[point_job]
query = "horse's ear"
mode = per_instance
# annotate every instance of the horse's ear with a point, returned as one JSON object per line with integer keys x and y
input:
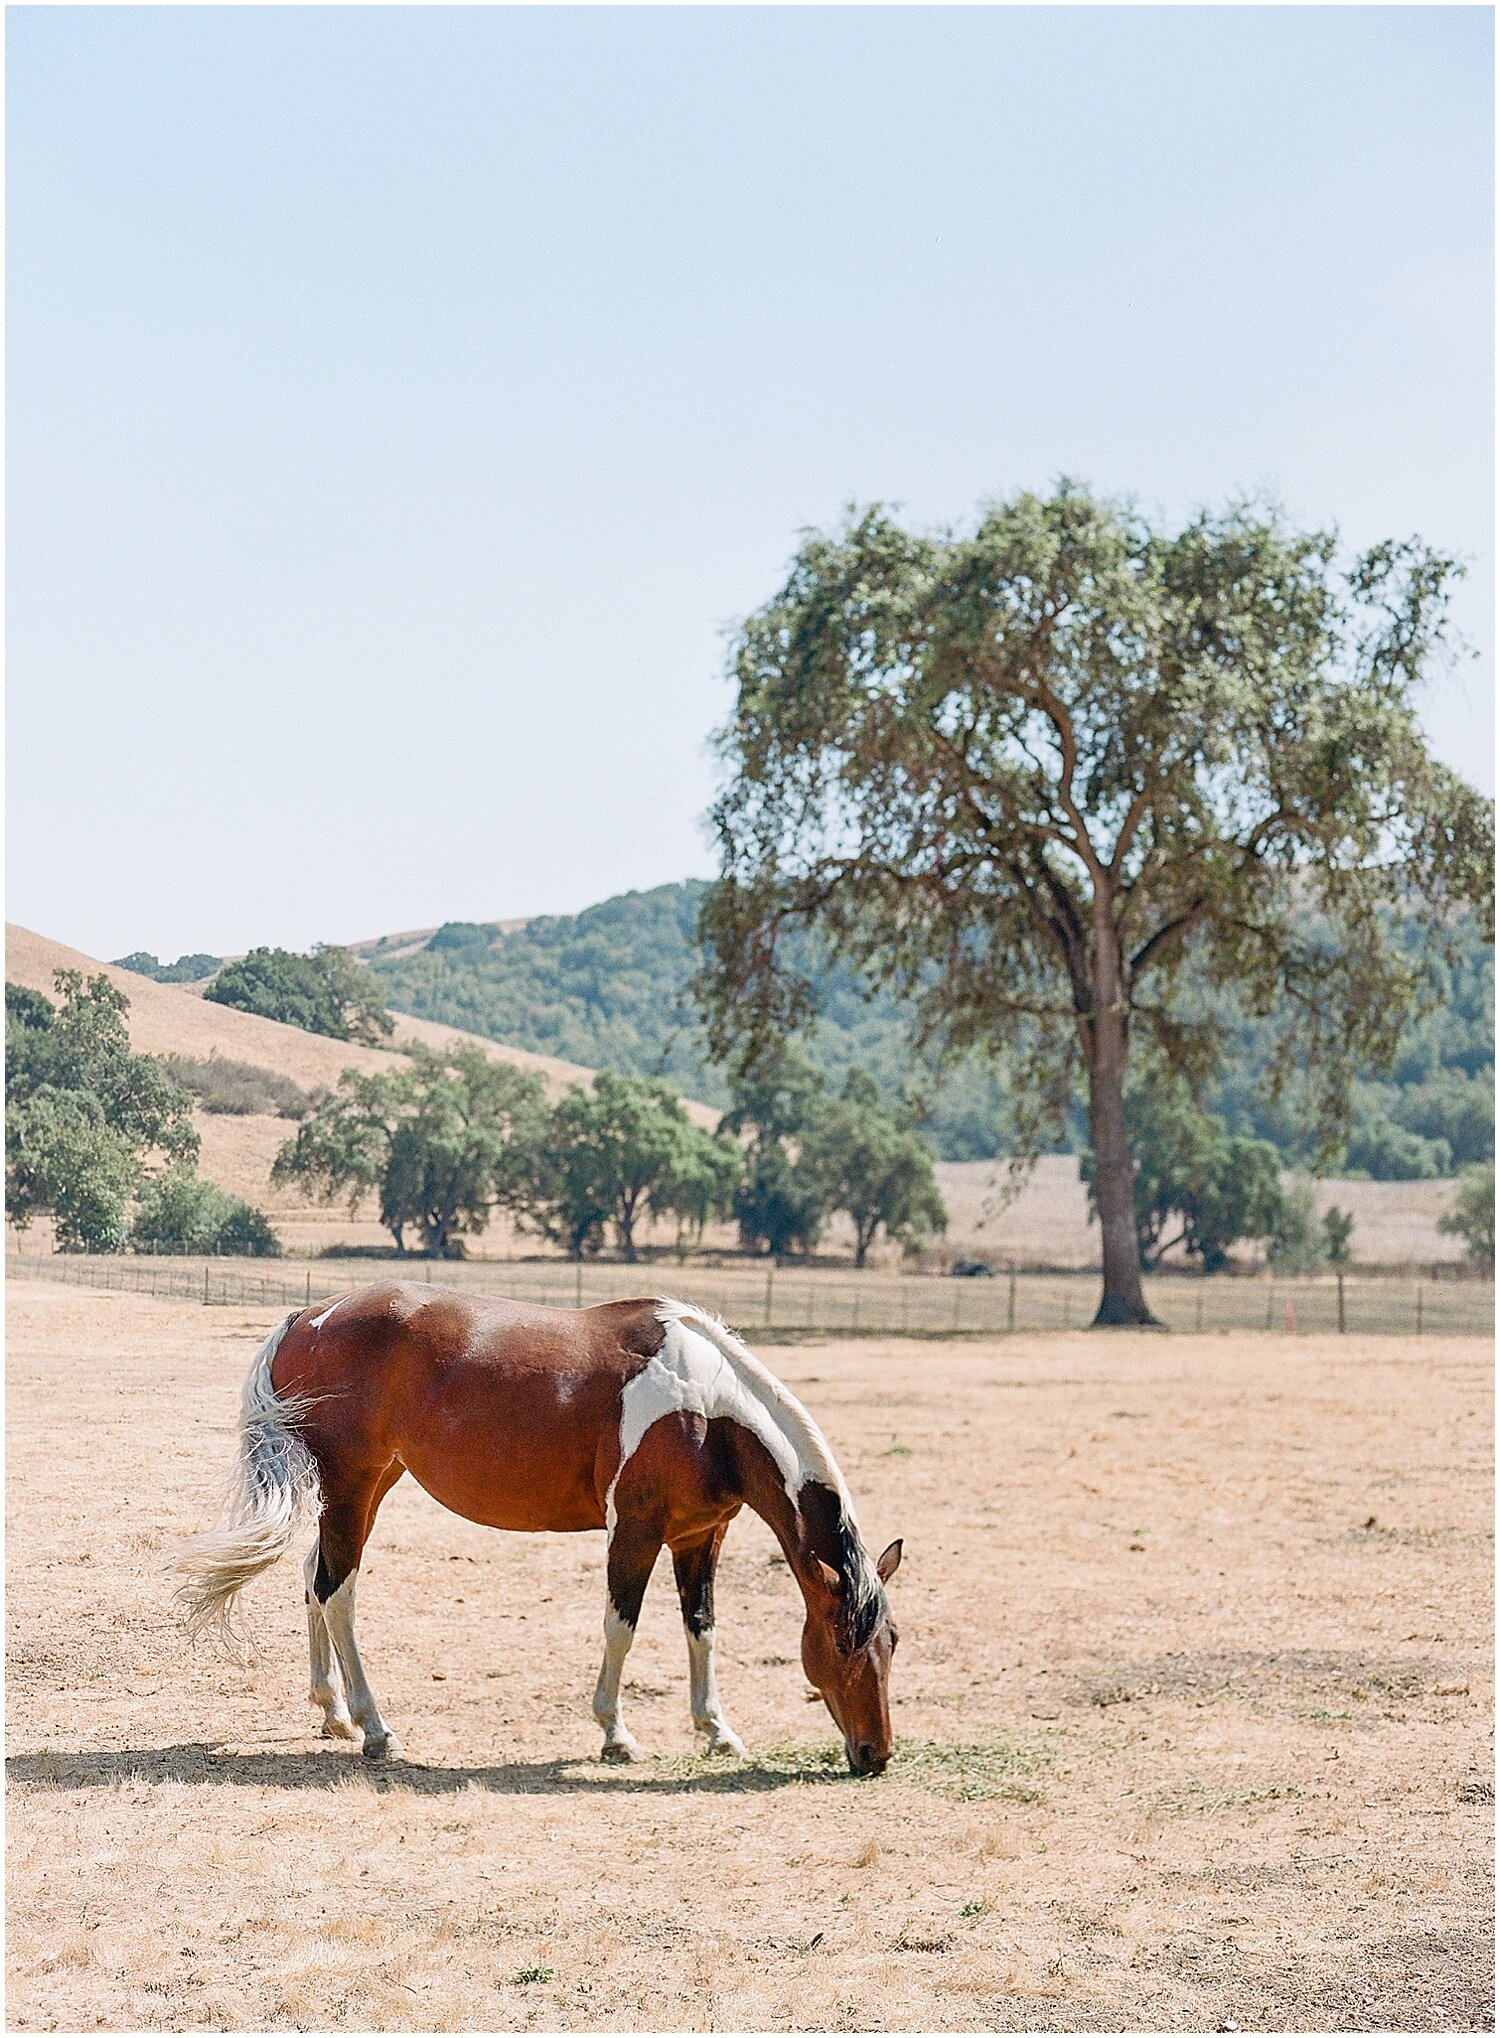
{"x": 830, "y": 1577}
{"x": 890, "y": 1562}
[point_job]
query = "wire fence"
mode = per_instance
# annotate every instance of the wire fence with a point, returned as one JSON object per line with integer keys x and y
{"x": 794, "y": 1301}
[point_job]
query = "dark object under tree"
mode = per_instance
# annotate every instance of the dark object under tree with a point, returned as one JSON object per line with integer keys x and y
{"x": 1029, "y": 775}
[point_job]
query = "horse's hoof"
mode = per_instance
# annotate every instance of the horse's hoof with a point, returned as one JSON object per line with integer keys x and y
{"x": 339, "y": 1730}
{"x": 619, "y": 1751}
{"x": 386, "y": 1749}
{"x": 725, "y": 1742}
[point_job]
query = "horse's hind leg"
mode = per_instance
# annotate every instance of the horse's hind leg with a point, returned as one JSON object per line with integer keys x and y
{"x": 347, "y": 1520}
{"x": 326, "y": 1683}
{"x": 633, "y": 1549}
{"x": 694, "y": 1567}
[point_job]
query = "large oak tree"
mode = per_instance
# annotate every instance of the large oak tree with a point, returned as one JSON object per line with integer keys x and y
{"x": 1052, "y": 777}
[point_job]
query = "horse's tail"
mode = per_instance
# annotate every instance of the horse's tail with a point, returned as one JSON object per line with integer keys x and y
{"x": 275, "y": 1482}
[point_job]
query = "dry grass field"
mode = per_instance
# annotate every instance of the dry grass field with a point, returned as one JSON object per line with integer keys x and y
{"x": 1193, "y": 1698}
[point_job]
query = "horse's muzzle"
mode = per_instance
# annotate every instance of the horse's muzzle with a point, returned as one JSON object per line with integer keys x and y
{"x": 864, "y": 1760}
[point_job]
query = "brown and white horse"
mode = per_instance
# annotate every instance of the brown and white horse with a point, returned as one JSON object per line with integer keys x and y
{"x": 648, "y": 1419}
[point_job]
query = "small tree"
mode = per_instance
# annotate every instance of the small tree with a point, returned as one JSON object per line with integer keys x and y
{"x": 706, "y": 1179}
{"x": 1338, "y": 1231}
{"x": 1042, "y": 776}
{"x": 782, "y": 1202}
{"x": 441, "y": 1142}
{"x": 622, "y": 1150}
{"x": 179, "y": 1212}
{"x": 1472, "y": 1217}
{"x": 325, "y": 992}
{"x": 1195, "y": 1184}
{"x": 874, "y": 1165}
{"x": 84, "y": 1115}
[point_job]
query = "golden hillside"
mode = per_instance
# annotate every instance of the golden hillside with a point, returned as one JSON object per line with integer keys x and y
{"x": 238, "y": 1151}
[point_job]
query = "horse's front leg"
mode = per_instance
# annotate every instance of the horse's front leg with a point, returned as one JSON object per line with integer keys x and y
{"x": 694, "y": 1566}
{"x": 633, "y": 1549}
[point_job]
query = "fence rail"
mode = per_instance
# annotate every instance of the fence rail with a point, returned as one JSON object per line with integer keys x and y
{"x": 793, "y": 1300}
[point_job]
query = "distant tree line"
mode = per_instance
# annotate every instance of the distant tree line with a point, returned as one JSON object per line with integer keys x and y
{"x": 446, "y": 1140}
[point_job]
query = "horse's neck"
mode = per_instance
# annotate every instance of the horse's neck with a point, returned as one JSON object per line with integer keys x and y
{"x": 796, "y": 1529}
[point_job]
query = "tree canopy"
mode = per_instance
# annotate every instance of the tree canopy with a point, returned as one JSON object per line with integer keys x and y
{"x": 83, "y": 1115}
{"x": 442, "y": 1141}
{"x": 623, "y": 1150}
{"x": 326, "y": 992}
{"x": 1036, "y": 775}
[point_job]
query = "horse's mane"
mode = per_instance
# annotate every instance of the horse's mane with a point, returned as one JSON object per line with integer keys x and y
{"x": 865, "y": 1594}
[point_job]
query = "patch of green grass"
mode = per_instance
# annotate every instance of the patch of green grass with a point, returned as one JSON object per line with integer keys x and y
{"x": 965, "y": 1771}
{"x": 974, "y": 1908}
{"x": 526, "y": 1975}
{"x": 896, "y": 1451}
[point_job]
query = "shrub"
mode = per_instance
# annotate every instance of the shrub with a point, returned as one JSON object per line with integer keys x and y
{"x": 1472, "y": 1217}
{"x": 1294, "y": 1244}
{"x": 239, "y": 1088}
{"x": 179, "y": 1212}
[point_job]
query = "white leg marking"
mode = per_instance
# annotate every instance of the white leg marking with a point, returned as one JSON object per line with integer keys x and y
{"x": 326, "y": 1687}
{"x": 338, "y": 1612}
{"x": 619, "y": 1746}
{"x": 708, "y": 1714}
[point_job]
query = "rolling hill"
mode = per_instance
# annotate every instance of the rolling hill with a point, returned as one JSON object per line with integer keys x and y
{"x": 237, "y": 1152}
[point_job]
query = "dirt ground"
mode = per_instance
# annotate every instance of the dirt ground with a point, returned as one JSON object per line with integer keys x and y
{"x": 1193, "y": 1700}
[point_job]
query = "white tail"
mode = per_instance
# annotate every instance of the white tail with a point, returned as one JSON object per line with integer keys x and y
{"x": 275, "y": 1481}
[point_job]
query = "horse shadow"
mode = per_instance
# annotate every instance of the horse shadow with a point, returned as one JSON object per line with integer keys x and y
{"x": 202, "y": 1762}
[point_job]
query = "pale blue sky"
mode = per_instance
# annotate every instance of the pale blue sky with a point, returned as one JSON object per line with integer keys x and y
{"x": 402, "y": 401}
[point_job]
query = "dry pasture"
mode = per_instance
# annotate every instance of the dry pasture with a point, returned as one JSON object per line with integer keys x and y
{"x": 1193, "y": 1696}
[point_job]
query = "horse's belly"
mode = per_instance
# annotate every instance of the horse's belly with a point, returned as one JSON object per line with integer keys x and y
{"x": 507, "y": 1474}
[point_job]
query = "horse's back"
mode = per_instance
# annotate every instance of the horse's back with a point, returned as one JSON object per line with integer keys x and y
{"x": 507, "y": 1412}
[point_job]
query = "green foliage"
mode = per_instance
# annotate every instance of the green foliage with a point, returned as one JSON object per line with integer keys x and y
{"x": 178, "y": 1212}
{"x": 1294, "y": 1246}
{"x": 1196, "y": 1185}
{"x": 442, "y": 1141}
{"x": 1472, "y": 1217}
{"x": 64, "y": 1158}
{"x": 83, "y": 1114}
{"x": 874, "y": 1165}
{"x": 619, "y": 1151}
{"x": 782, "y": 1203}
{"x": 1338, "y": 1231}
{"x": 188, "y": 969}
{"x": 326, "y": 992}
{"x": 462, "y": 937}
{"x": 238, "y": 1088}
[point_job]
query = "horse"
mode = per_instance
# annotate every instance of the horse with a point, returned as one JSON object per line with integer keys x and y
{"x": 649, "y": 1419}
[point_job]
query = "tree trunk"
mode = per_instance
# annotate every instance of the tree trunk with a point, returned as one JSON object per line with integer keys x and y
{"x": 1123, "y": 1300}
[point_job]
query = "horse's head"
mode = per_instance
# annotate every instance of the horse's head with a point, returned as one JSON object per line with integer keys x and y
{"x": 846, "y": 1652}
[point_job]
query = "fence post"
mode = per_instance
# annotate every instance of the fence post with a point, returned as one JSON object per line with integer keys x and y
{"x": 770, "y": 1272}
{"x": 1198, "y": 1312}
{"x": 1419, "y": 1309}
{"x": 307, "y": 1298}
{"x": 1341, "y": 1301}
{"x": 205, "y": 1281}
{"x": 1010, "y": 1304}
{"x": 578, "y": 1282}
{"x": 1270, "y": 1305}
